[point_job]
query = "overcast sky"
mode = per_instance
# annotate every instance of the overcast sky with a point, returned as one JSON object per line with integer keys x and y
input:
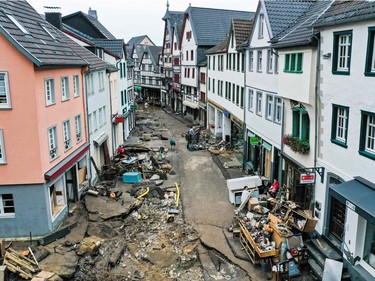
{"x": 129, "y": 18}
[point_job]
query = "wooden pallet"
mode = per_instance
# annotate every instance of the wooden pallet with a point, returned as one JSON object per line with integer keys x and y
{"x": 20, "y": 264}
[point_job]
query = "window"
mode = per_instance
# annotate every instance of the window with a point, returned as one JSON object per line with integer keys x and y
{"x": 7, "y": 208}
{"x": 259, "y": 61}
{"x": 238, "y": 61}
{"x": 226, "y": 90}
{"x": 367, "y": 136}
{"x": 192, "y": 55}
{"x": 293, "y": 63}
{"x": 213, "y": 86}
{"x": 213, "y": 62}
{"x": 209, "y": 83}
{"x": 48, "y": 32}
{"x": 243, "y": 62}
{"x": 340, "y": 119}
{"x": 104, "y": 115}
{"x": 234, "y": 61}
{"x": 369, "y": 246}
{"x": 193, "y": 73}
{"x": 15, "y": 21}
{"x": 100, "y": 117}
{"x": 259, "y": 103}
{"x": 90, "y": 124}
{"x": 242, "y": 97}
{"x": 341, "y": 52}
{"x": 78, "y": 124}
{"x": 52, "y": 142}
{"x": 57, "y": 197}
{"x": 203, "y": 78}
{"x": 229, "y": 91}
{"x": 370, "y": 57}
{"x": 64, "y": 88}
{"x": 95, "y": 121}
{"x": 269, "y": 61}
{"x": 229, "y": 61}
{"x": 188, "y": 35}
{"x": 2, "y": 148}
{"x": 276, "y": 63}
{"x": 251, "y": 61}
{"x": 101, "y": 81}
{"x": 76, "y": 88}
{"x": 233, "y": 92}
{"x": 251, "y": 101}
{"x": 4, "y": 90}
{"x": 237, "y": 95}
{"x": 269, "y": 107}
{"x": 67, "y": 135}
{"x": 260, "y": 26}
{"x": 90, "y": 84}
{"x": 278, "y": 110}
{"x": 301, "y": 123}
{"x": 187, "y": 55}
{"x": 49, "y": 87}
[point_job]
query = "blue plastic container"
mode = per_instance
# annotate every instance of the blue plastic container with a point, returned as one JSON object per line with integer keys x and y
{"x": 131, "y": 177}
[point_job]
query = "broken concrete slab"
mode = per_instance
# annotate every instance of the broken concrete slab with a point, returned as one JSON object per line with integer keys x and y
{"x": 162, "y": 258}
{"x": 102, "y": 230}
{"x": 63, "y": 265}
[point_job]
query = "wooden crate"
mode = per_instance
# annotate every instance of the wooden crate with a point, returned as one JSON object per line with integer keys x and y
{"x": 277, "y": 235}
{"x": 262, "y": 254}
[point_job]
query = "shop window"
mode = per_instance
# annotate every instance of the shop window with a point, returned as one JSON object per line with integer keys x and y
{"x": 57, "y": 197}
{"x": 369, "y": 249}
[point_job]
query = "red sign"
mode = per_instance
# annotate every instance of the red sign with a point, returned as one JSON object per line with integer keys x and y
{"x": 307, "y": 178}
{"x": 119, "y": 119}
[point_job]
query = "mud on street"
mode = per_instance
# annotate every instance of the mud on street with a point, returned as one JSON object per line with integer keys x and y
{"x": 168, "y": 225}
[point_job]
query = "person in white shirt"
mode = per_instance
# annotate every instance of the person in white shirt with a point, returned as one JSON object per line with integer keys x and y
{"x": 245, "y": 193}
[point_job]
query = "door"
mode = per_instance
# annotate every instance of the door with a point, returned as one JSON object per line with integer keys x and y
{"x": 337, "y": 219}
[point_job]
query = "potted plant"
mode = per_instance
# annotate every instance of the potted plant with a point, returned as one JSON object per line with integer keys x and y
{"x": 296, "y": 144}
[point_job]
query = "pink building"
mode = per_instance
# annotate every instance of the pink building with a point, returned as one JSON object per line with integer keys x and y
{"x": 43, "y": 139}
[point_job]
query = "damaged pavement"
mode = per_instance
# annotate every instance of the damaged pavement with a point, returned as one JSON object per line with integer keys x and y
{"x": 158, "y": 212}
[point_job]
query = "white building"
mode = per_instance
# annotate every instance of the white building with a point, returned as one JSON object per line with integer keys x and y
{"x": 226, "y": 80}
{"x": 346, "y": 198}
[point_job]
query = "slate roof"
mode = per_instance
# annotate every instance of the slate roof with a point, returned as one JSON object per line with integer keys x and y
{"x": 114, "y": 46}
{"x": 136, "y": 40}
{"x": 283, "y": 14}
{"x": 154, "y": 52}
{"x": 222, "y": 47}
{"x": 201, "y": 54}
{"x": 94, "y": 61}
{"x": 302, "y": 33}
{"x": 38, "y": 45}
{"x": 210, "y": 26}
{"x": 347, "y": 11}
{"x": 174, "y": 21}
{"x": 88, "y": 25}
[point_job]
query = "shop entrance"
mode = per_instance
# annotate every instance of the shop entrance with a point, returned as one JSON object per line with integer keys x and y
{"x": 337, "y": 219}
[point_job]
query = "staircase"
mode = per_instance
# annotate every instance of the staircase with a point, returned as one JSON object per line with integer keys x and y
{"x": 320, "y": 249}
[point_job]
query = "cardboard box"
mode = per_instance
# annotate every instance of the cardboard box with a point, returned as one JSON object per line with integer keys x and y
{"x": 252, "y": 203}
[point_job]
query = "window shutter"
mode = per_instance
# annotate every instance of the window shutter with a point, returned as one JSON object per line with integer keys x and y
{"x": 287, "y": 58}
{"x": 299, "y": 62}
{"x": 295, "y": 131}
{"x": 334, "y": 123}
{"x": 305, "y": 127}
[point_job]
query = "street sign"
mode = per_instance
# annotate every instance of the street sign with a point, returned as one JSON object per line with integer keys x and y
{"x": 307, "y": 178}
{"x": 254, "y": 140}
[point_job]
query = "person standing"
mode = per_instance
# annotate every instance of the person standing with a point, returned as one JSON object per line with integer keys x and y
{"x": 274, "y": 188}
{"x": 244, "y": 194}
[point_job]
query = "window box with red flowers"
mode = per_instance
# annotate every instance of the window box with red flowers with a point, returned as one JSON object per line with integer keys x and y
{"x": 296, "y": 144}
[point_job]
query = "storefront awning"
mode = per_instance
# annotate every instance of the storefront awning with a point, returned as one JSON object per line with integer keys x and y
{"x": 267, "y": 146}
{"x": 99, "y": 140}
{"x": 65, "y": 164}
{"x": 357, "y": 194}
{"x": 190, "y": 104}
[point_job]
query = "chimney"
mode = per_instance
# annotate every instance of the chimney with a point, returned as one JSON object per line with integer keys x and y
{"x": 54, "y": 18}
{"x": 92, "y": 13}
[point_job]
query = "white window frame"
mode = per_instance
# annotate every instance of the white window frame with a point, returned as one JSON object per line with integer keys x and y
{"x": 105, "y": 114}
{"x": 3, "y": 205}
{"x": 49, "y": 88}
{"x": 100, "y": 117}
{"x": 259, "y": 61}
{"x": 259, "y": 98}
{"x": 57, "y": 197}
{"x": 3, "y": 159}
{"x": 269, "y": 61}
{"x": 251, "y": 61}
{"x": 67, "y": 135}
{"x": 78, "y": 126}
{"x": 343, "y": 56}
{"x": 76, "y": 88}
{"x": 15, "y": 21}
{"x": 373, "y": 56}
{"x": 65, "y": 88}
{"x": 370, "y": 134}
{"x": 4, "y": 88}
{"x": 341, "y": 122}
{"x": 269, "y": 106}
{"x": 278, "y": 111}
{"x": 261, "y": 26}
{"x": 90, "y": 124}
{"x": 53, "y": 147}
{"x": 251, "y": 100}
{"x": 95, "y": 121}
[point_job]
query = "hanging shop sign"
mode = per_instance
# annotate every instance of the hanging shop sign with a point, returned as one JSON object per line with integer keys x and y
{"x": 119, "y": 119}
{"x": 307, "y": 178}
{"x": 254, "y": 140}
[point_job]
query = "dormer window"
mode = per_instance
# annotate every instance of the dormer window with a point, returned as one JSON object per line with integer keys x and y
{"x": 15, "y": 21}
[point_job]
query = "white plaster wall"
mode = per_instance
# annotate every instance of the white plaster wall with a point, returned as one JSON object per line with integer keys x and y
{"x": 298, "y": 86}
{"x": 188, "y": 46}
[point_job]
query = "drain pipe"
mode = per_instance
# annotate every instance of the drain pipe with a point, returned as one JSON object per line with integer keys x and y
{"x": 280, "y": 179}
{"x": 244, "y": 157}
{"x": 317, "y": 83}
